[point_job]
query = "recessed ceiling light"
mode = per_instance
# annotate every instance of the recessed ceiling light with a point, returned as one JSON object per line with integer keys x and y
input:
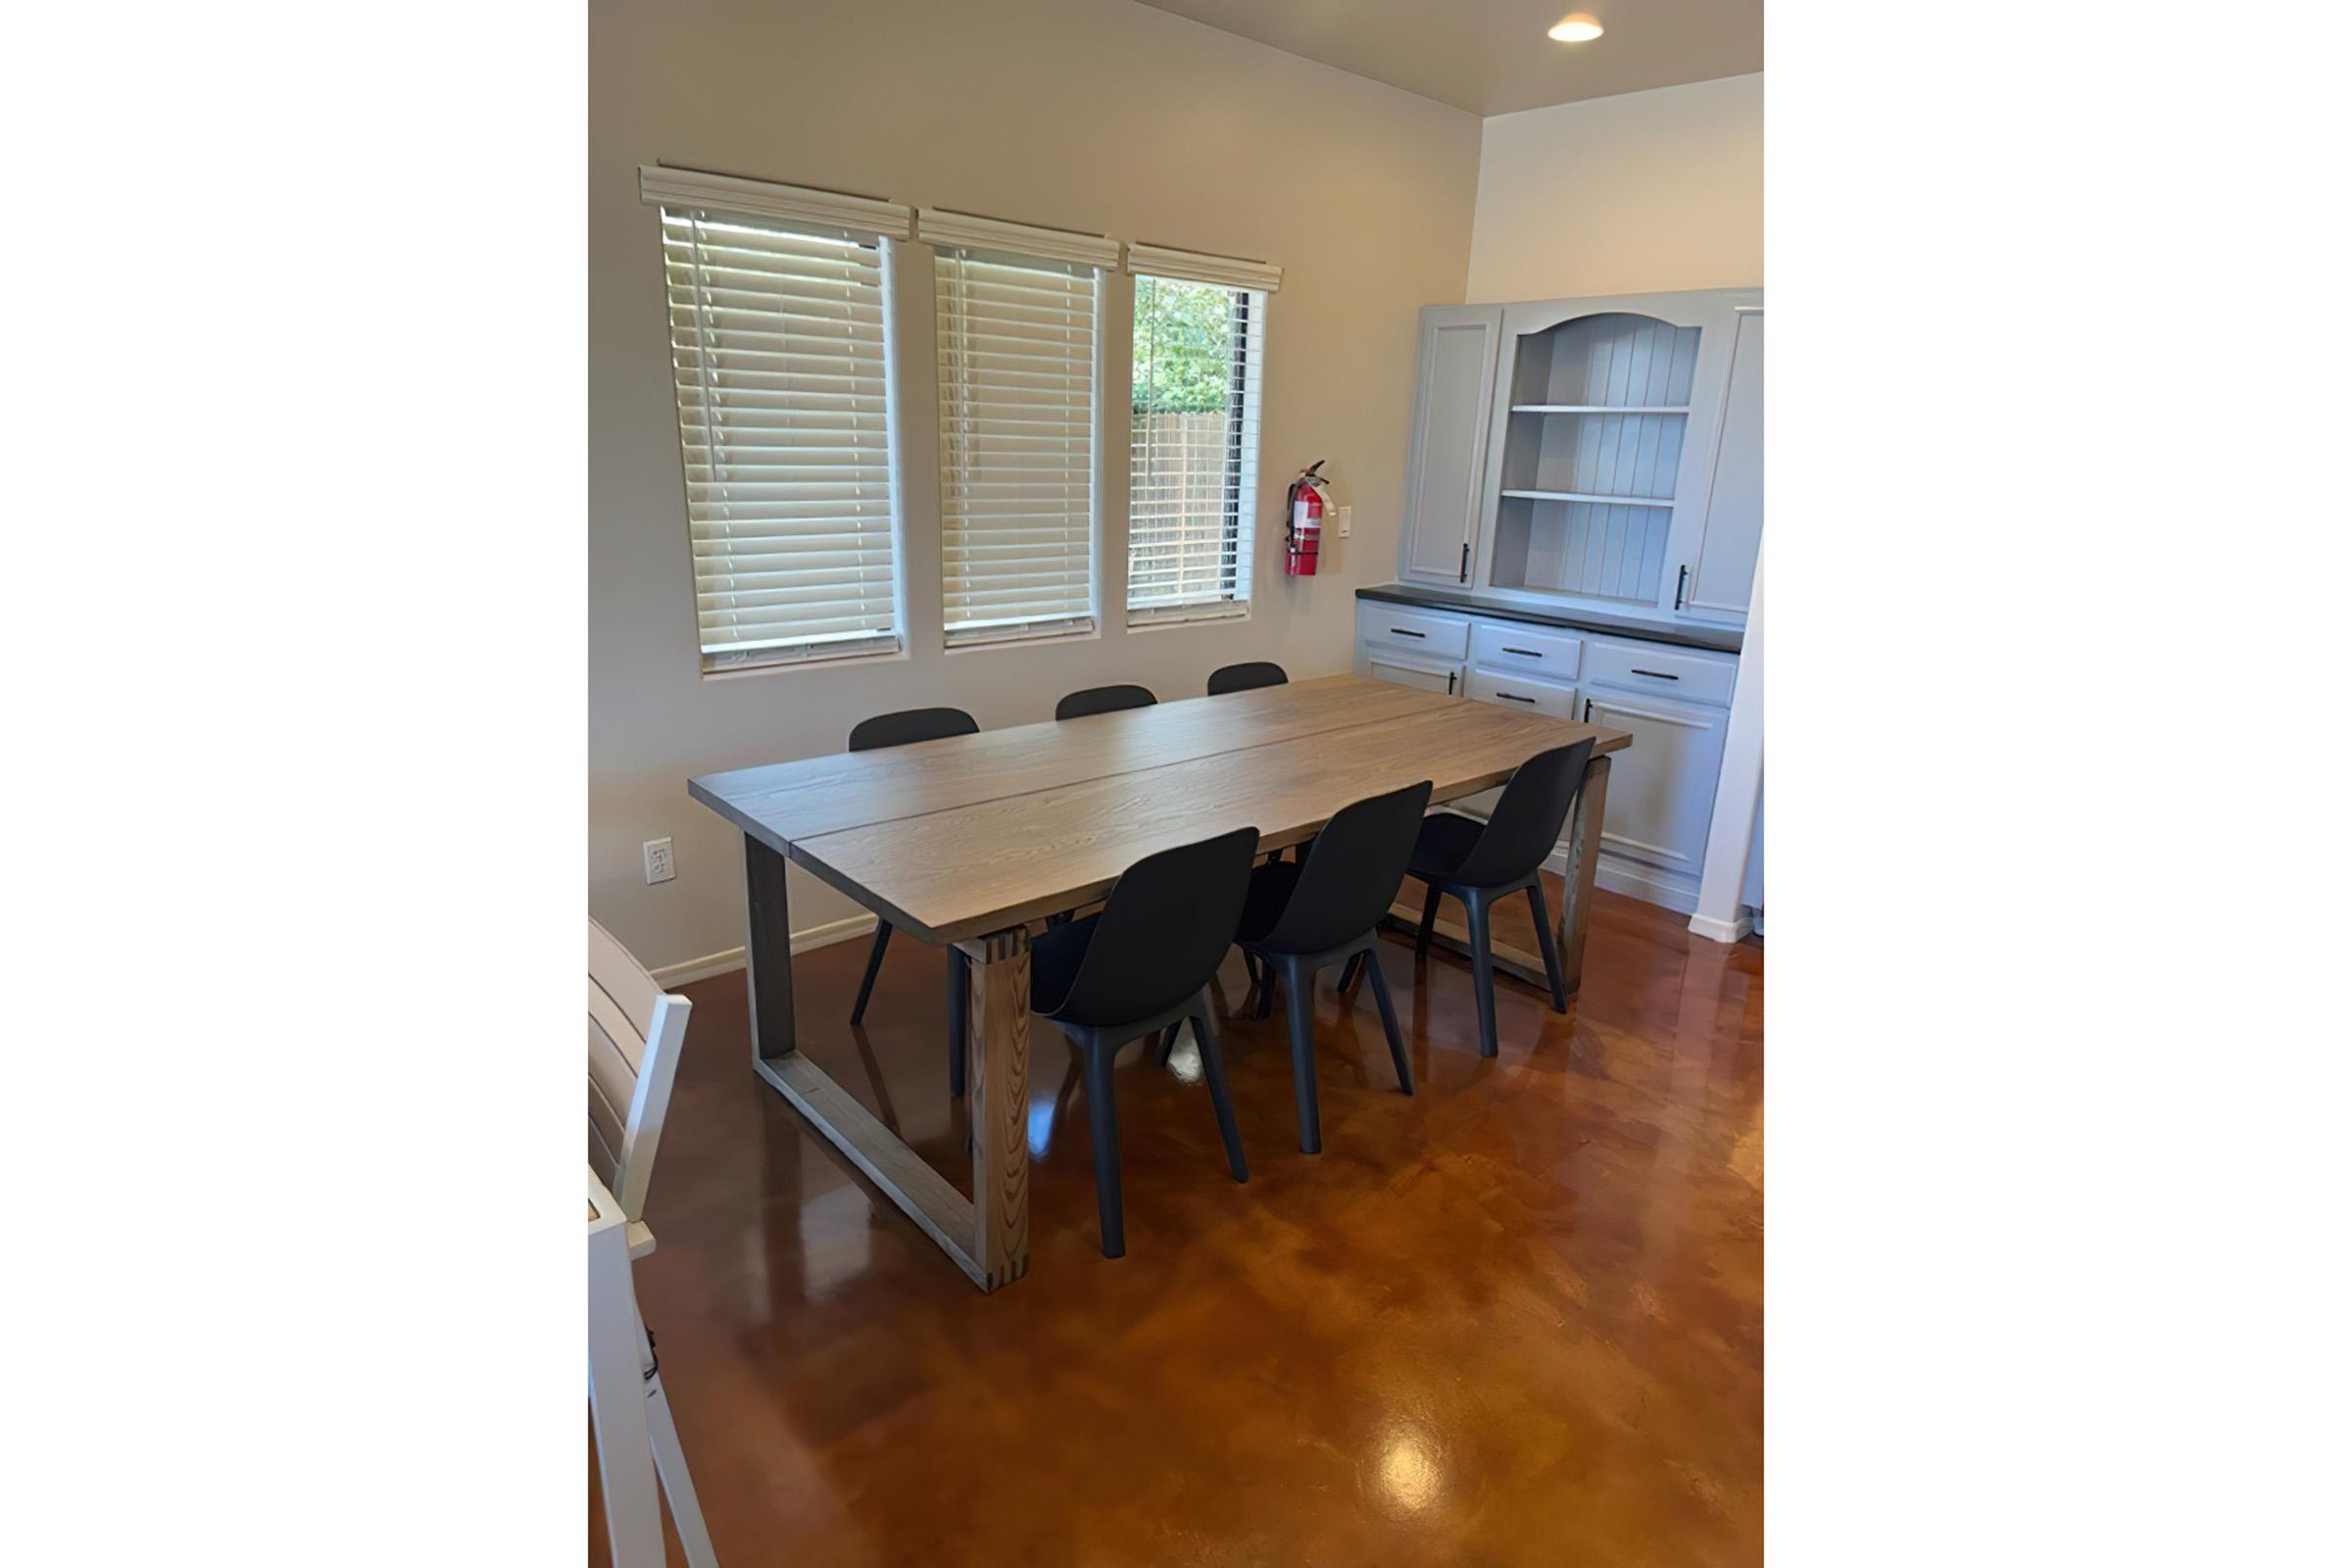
{"x": 1576, "y": 27}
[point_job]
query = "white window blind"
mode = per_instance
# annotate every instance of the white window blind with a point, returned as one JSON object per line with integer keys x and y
{"x": 1017, "y": 442}
{"x": 1192, "y": 487}
{"x": 777, "y": 334}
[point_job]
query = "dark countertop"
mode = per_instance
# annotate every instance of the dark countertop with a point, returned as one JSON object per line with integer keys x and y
{"x": 1720, "y": 639}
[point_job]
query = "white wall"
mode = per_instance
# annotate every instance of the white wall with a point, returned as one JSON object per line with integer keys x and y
{"x": 1112, "y": 118}
{"x": 1635, "y": 194}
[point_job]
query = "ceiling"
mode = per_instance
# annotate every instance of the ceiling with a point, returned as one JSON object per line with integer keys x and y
{"x": 1492, "y": 57}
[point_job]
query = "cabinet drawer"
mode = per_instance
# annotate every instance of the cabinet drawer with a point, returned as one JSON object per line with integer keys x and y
{"x": 1649, "y": 668}
{"x": 1517, "y": 691}
{"x": 1507, "y": 646}
{"x": 1432, "y": 636}
{"x": 1403, "y": 670}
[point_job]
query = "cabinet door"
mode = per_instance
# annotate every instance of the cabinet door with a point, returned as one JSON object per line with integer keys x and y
{"x": 1722, "y": 563}
{"x": 1405, "y": 670}
{"x": 1662, "y": 787}
{"x": 1453, "y": 396}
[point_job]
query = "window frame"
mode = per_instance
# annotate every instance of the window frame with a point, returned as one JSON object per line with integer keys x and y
{"x": 956, "y": 238}
{"x": 1249, "y": 283}
{"x": 693, "y": 196}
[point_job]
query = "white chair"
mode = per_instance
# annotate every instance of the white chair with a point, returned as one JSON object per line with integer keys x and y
{"x": 635, "y": 1030}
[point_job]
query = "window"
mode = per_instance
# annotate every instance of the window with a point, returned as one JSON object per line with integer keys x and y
{"x": 1199, "y": 340}
{"x": 778, "y": 337}
{"x": 1017, "y": 420}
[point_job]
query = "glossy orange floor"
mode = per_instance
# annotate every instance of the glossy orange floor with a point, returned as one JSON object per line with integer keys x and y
{"x": 1517, "y": 1318}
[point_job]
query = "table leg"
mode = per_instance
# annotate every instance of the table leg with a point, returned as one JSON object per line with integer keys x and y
{"x": 1583, "y": 859}
{"x": 767, "y": 952}
{"x": 998, "y": 1033}
{"x": 986, "y": 1236}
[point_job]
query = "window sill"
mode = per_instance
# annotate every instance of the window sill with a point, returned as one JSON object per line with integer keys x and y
{"x": 986, "y": 645}
{"x": 894, "y": 656}
{"x": 1226, "y": 617}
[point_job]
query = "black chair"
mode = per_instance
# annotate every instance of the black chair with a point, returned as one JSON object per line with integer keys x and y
{"x": 1103, "y": 700}
{"x": 1303, "y": 918}
{"x": 903, "y": 728}
{"x": 1479, "y": 864}
{"x": 1141, "y": 966}
{"x": 1247, "y": 678}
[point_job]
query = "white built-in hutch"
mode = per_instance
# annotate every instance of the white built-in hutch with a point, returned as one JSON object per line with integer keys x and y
{"x": 1583, "y": 503}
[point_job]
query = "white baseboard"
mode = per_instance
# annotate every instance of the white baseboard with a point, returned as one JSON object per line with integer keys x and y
{"x": 1639, "y": 881}
{"x": 1635, "y": 880}
{"x": 1721, "y": 930}
{"x": 845, "y": 929}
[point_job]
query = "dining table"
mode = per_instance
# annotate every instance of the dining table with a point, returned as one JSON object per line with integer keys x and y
{"x": 975, "y": 840}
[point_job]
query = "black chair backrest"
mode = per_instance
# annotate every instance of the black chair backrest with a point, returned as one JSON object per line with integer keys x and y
{"x": 1247, "y": 678}
{"x": 1103, "y": 700}
{"x": 1162, "y": 932}
{"x": 1527, "y": 819}
{"x": 912, "y": 724}
{"x": 1353, "y": 873}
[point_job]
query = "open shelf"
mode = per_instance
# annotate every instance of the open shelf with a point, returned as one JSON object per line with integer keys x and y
{"x": 1601, "y": 407}
{"x": 1572, "y": 494}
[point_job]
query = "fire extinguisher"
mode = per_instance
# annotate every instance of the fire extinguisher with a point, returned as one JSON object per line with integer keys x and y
{"x": 1304, "y": 504}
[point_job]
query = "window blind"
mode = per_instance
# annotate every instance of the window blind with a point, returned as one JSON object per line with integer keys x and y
{"x": 1193, "y": 486}
{"x": 1016, "y": 443}
{"x": 778, "y": 338}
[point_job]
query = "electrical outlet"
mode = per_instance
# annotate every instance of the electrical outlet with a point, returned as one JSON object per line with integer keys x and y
{"x": 1347, "y": 520}
{"x": 658, "y": 867}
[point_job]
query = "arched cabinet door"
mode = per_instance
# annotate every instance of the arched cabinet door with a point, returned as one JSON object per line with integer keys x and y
{"x": 1602, "y": 444}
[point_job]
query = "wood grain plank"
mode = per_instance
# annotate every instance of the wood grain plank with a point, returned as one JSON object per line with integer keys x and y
{"x": 998, "y": 1030}
{"x": 1575, "y": 920}
{"x": 782, "y": 803}
{"x": 978, "y": 868}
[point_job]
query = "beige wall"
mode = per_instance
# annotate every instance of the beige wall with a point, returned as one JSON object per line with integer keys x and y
{"x": 1647, "y": 191}
{"x": 1083, "y": 114}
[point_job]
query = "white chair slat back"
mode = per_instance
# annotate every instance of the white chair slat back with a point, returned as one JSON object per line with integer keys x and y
{"x": 635, "y": 1030}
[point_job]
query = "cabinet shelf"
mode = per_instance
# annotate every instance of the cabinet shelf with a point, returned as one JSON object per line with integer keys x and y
{"x": 1578, "y": 495}
{"x": 1597, "y": 407}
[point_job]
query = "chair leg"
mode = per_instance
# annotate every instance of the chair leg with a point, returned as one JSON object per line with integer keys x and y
{"x": 1551, "y": 955}
{"x": 677, "y": 1486}
{"x": 1168, "y": 1041}
{"x": 1298, "y": 1001}
{"x": 1482, "y": 971}
{"x": 1429, "y": 922}
{"x": 960, "y": 1010}
{"x": 1351, "y": 974}
{"x": 1212, "y": 1069}
{"x": 873, "y": 967}
{"x": 1101, "y": 1115}
{"x": 1388, "y": 1021}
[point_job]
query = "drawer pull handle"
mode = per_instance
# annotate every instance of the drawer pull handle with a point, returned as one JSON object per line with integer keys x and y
{"x": 1588, "y": 710}
{"x": 1404, "y": 631}
{"x": 1514, "y": 697}
{"x": 1658, "y": 674}
{"x": 1524, "y": 653}
{"x": 1682, "y": 578}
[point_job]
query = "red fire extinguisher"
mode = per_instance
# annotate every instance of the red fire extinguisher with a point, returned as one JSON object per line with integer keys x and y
{"x": 1306, "y": 506}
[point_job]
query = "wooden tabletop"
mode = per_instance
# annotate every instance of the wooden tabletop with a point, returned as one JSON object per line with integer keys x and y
{"x": 957, "y": 838}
